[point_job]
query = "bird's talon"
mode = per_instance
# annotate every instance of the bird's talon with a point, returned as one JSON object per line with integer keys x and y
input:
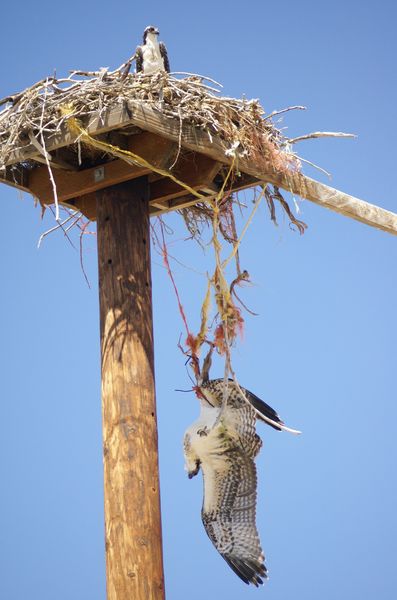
{"x": 202, "y": 432}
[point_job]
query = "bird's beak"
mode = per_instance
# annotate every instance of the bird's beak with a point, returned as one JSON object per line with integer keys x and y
{"x": 156, "y": 31}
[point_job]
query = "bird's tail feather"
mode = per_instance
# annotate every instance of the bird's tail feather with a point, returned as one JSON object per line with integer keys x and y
{"x": 267, "y": 414}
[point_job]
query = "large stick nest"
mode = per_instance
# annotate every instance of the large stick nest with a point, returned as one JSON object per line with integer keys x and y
{"x": 242, "y": 124}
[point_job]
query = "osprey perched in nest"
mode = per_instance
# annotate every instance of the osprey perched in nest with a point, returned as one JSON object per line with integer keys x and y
{"x": 152, "y": 55}
{"x": 224, "y": 443}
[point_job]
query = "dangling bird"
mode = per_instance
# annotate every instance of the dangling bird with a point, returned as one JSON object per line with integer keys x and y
{"x": 152, "y": 55}
{"x": 224, "y": 443}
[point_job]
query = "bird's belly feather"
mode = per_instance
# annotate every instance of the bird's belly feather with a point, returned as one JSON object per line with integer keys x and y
{"x": 152, "y": 59}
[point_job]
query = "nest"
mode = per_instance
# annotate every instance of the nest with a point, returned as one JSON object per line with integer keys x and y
{"x": 242, "y": 124}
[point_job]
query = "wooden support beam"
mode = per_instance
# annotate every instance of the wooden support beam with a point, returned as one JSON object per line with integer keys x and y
{"x": 241, "y": 182}
{"x": 196, "y": 170}
{"x": 131, "y": 478}
{"x": 159, "y": 208}
{"x": 55, "y": 163}
{"x": 197, "y": 140}
{"x": 85, "y": 204}
{"x": 71, "y": 184}
{"x": 338, "y": 201}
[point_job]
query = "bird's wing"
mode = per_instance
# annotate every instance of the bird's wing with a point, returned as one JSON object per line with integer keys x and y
{"x": 164, "y": 54}
{"x": 139, "y": 59}
{"x": 240, "y": 418}
{"x": 229, "y": 511}
{"x": 213, "y": 393}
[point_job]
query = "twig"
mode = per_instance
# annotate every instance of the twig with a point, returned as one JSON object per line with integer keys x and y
{"x": 169, "y": 271}
{"x": 318, "y": 134}
{"x": 251, "y": 312}
{"x": 300, "y": 225}
{"x": 284, "y": 110}
{"x": 58, "y": 226}
{"x": 82, "y": 232}
{"x": 196, "y": 75}
{"x": 87, "y": 73}
{"x": 54, "y": 187}
{"x": 179, "y": 140}
{"x": 16, "y": 97}
{"x": 312, "y": 164}
{"x": 39, "y": 147}
{"x": 64, "y": 231}
{"x": 237, "y": 244}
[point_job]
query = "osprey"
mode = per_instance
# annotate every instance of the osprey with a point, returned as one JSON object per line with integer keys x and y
{"x": 224, "y": 443}
{"x": 151, "y": 56}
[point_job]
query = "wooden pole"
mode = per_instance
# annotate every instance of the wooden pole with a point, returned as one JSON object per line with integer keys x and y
{"x": 134, "y": 565}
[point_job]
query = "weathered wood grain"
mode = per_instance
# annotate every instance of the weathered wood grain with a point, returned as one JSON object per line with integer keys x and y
{"x": 131, "y": 478}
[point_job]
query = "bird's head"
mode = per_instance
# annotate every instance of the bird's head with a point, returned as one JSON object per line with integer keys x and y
{"x": 206, "y": 393}
{"x": 153, "y": 31}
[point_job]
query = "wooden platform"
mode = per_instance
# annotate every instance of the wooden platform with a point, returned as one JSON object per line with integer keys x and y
{"x": 189, "y": 153}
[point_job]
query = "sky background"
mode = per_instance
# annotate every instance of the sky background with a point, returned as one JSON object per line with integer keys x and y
{"x": 322, "y": 350}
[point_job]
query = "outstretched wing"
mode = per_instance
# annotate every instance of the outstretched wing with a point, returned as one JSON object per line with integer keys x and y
{"x": 229, "y": 511}
{"x": 241, "y": 420}
{"x": 164, "y": 54}
{"x": 139, "y": 59}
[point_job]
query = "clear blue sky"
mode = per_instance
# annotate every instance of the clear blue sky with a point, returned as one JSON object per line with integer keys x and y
{"x": 322, "y": 351}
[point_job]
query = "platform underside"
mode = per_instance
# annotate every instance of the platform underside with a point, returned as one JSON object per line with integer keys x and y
{"x": 192, "y": 155}
{"x": 79, "y": 170}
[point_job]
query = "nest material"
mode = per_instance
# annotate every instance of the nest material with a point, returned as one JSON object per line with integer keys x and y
{"x": 242, "y": 124}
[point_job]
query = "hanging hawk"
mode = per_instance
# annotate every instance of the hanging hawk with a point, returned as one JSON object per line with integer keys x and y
{"x": 224, "y": 443}
{"x": 152, "y": 55}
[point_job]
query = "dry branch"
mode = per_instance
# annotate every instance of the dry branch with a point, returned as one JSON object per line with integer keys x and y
{"x": 40, "y": 111}
{"x": 318, "y": 134}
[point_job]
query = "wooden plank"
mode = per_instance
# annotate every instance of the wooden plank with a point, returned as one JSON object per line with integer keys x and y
{"x": 158, "y": 208}
{"x": 209, "y": 191}
{"x": 197, "y": 140}
{"x": 85, "y": 204}
{"x": 55, "y": 163}
{"x": 196, "y": 170}
{"x": 70, "y": 184}
{"x": 338, "y": 201}
{"x": 131, "y": 477}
